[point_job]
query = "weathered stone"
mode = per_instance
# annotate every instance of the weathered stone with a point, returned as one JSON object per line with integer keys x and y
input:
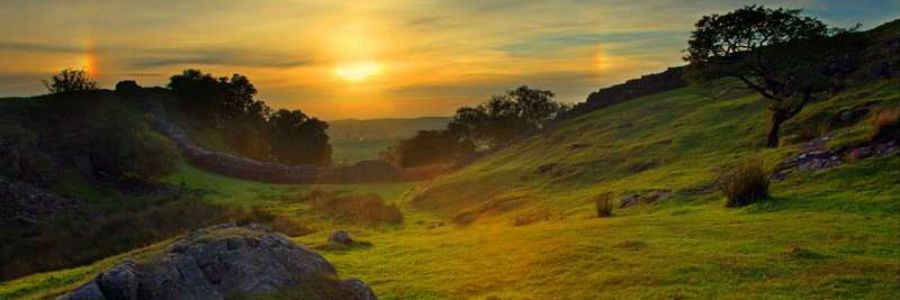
{"x": 861, "y": 152}
{"x": 88, "y": 291}
{"x": 356, "y": 289}
{"x": 120, "y": 282}
{"x": 224, "y": 260}
{"x": 340, "y": 237}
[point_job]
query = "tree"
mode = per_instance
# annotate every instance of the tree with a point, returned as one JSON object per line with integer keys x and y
{"x": 298, "y": 139}
{"x": 785, "y": 57}
{"x": 70, "y": 80}
{"x": 427, "y": 147}
{"x": 503, "y": 117}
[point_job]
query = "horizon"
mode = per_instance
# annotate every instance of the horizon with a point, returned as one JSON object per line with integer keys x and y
{"x": 396, "y": 59}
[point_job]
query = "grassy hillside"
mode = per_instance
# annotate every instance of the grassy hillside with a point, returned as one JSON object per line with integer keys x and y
{"x": 519, "y": 224}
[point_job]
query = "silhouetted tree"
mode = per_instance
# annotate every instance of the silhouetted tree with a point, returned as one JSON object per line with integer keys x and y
{"x": 785, "y": 57}
{"x": 298, "y": 139}
{"x": 70, "y": 80}
{"x": 505, "y": 116}
{"x": 428, "y": 147}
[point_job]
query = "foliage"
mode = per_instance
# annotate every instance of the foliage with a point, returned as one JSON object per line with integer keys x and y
{"x": 503, "y": 117}
{"x": 604, "y": 205}
{"x": 70, "y": 80}
{"x": 247, "y": 125}
{"x": 747, "y": 182}
{"x": 21, "y": 157}
{"x": 488, "y": 125}
{"x": 886, "y": 125}
{"x": 427, "y": 147}
{"x": 299, "y": 139}
{"x": 366, "y": 208}
{"x": 785, "y": 57}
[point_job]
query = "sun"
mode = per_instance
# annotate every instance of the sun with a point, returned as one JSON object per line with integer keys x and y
{"x": 357, "y": 71}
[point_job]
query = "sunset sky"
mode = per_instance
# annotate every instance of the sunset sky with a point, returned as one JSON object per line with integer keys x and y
{"x": 370, "y": 59}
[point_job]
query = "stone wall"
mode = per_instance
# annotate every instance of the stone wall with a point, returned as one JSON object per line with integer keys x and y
{"x": 235, "y": 166}
{"x": 668, "y": 80}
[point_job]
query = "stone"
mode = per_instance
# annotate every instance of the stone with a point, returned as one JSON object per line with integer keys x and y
{"x": 340, "y": 237}
{"x": 120, "y": 282}
{"x": 861, "y": 152}
{"x": 224, "y": 260}
{"x": 88, "y": 291}
{"x": 356, "y": 289}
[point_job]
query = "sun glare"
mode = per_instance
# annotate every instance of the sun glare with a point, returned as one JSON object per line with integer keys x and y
{"x": 357, "y": 71}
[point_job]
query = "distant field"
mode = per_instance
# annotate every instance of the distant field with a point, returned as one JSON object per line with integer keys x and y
{"x": 356, "y": 140}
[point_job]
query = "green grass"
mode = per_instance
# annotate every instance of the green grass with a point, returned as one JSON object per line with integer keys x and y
{"x": 825, "y": 234}
{"x": 346, "y": 152}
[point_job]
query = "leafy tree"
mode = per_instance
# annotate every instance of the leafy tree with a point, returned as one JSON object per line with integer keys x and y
{"x": 70, "y": 80}
{"x": 298, "y": 139}
{"x": 503, "y": 117}
{"x": 785, "y": 57}
{"x": 428, "y": 147}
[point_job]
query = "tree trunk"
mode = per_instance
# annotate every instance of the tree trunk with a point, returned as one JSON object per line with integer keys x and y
{"x": 777, "y": 120}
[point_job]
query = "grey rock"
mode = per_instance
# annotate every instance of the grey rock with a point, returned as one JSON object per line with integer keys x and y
{"x": 88, "y": 291}
{"x": 120, "y": 282}
{"x": 356, "y": 289}
{"x": 340, "y": 237}
{"x": 223, "y": 260}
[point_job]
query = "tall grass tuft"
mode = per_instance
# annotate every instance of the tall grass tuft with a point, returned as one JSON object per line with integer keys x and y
{"x": 746, "y": 183}
{"x": 886, "y": 125}
{"x": 604, "y": 205}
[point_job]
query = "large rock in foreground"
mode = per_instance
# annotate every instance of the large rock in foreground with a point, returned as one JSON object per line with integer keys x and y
{"x": 225, "y": 261}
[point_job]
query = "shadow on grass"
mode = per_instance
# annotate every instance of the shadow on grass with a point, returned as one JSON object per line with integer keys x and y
{"x": 339, "y": 248}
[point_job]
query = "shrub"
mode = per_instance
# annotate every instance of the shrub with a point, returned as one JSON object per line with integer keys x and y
{"x": 747, "y": 182}
{"x": 70, "y": 80}
{"x": 367, "y": 208}
{"x": 886, "y": 125}
{"x": 604, "y": 205}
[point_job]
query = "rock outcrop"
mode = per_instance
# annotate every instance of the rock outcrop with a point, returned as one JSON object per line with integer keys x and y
{"x": 224, "y": 261}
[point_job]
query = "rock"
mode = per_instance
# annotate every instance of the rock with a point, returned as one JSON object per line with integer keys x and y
{"x": 224, "y": 260}
{"x": 356, "y": 289}
{"x": 120, "y": 282}
{"x": 88, "y": 291}
{"x": 340, "y": 237}
{"x": 629, "y": 201}
{"x": 861, "y": 152}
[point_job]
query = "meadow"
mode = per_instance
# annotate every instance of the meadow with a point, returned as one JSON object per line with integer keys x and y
{"x": 520, "y": 224}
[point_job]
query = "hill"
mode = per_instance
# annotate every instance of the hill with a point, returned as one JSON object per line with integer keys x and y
{"x": 519, "y": 223}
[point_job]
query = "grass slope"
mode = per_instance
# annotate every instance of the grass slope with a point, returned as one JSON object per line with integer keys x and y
{"x": 827, "y": 234}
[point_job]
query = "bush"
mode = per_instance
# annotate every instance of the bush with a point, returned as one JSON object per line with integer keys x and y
{"x": 70, "y": 80}
{"x": 368, "y": 208}
{"x": 604, "y": 205}
{"x": 886, "y": 125}
{"x": 746, "y": 183}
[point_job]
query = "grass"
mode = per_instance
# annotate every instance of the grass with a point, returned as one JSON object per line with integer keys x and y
{"x": 825, "y": 234}
{"x": 746, "y": 183}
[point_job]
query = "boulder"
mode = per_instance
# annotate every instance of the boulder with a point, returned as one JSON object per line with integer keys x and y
{"x": 221, "y": 261}
{"x": 340, "y": 237}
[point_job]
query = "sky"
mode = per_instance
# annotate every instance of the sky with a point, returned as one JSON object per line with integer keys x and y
{"x": 371, "y": 59}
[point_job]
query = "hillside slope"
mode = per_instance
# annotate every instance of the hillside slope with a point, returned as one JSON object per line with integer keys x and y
{"x": 528, "y": 229}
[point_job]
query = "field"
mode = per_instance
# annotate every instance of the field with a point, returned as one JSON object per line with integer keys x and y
{"x": 520, "y": 224}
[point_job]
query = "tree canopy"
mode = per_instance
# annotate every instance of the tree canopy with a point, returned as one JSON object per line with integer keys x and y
{"x": 785, "y": 57}
{"x": 70, "y": 80}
